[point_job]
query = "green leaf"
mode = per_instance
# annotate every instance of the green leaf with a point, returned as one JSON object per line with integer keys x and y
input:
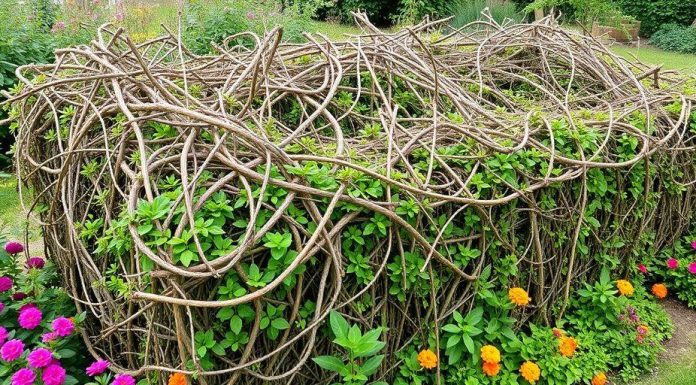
{"x": 331, "y": 363}
{"x": 339, "y": 325}
{"x": 371, "y": 365}
{"x": 280, "y": 324}
{"x": 236, "y": 324}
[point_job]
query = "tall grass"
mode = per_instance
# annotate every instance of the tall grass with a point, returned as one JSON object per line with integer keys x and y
{"x": 467, "y": 11}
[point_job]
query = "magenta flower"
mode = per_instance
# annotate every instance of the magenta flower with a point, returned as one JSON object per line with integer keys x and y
{"x": 3, "y": 335}
{"x": 12, "y": 350}
{"x": 40, "y": 358}
{"x": 54, "y": 374}
{"x": 692, "y": 269}
{"x": 693, "y": 245}
{"x": 5, "y": 284}
{"x": 48, "y": 337}
{"x": 98, "y": 367}
{"x": 18, "y": 296}
{"x": 30, "y": 318}
{"x": 642, "y": 268}
{"x": 26, "y": 306}
{"x": 14, "y": 247}
{"x": 672, "y": 263}
{"x": 23, "y": 376}
{"x": 123, "y": 379}
{"x": 36, "y": 263}
{"x": 62, "y": 326}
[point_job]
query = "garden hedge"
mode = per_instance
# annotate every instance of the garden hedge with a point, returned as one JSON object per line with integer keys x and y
{"x": 209, "y": 212}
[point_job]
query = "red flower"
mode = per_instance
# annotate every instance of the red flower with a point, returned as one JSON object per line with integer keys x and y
{"x": 672, "y": 263}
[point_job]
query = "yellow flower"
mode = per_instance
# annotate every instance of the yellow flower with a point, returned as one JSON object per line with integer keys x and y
{"x": 625, "y": 287}
{"x": 491, "y": 368}
{"x": 530, "y": 371}
{"x": 490, "y": 354}
{"x": 599, "y": 379}
{"x": 567, "y": 346}
{"x": 427, "y": 359}
{"x": 518, "y": 296}
{"x": 177, "y": 379}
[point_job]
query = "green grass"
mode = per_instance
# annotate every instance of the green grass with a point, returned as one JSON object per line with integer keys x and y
{"x": 655, "y": 56}
{"x": 681, "y": 372}
{"x": 13, "y": 220}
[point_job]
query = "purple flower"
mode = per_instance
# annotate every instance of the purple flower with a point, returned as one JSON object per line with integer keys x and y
{"x": 692, "y": 269}
{"x": 3, "y": 335}
{"x": 54, "y": 374}
{"x": 23, "y": 376}
{"x": 123, "y": 379}
{"x": 5, "y": 283}
{"x": 26, "y": 306}
{"x": 18, "y": 296}
{"x": 36, "y": 263}
{"x": 48, "y": 337}
{"x": 12, "y": 350}
{"x": 98, "y": 367}
{"x": 250, "y": 15}
{"x": 119, "y": 16}
{"x": 30, "y": 318}
{"x": 14, "y": 247}
{"x": 59, "y": 26}
{"x": 40, "y": 358}
{"x": 672, "y": 263}
{"x": 62, "y": 326}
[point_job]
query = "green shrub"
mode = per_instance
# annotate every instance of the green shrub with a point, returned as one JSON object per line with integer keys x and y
{"x": 676, "y": 267}
{"x": 654, "y": 13}
{"x": 467, "y": 11}
{"x": 674, "y": 37}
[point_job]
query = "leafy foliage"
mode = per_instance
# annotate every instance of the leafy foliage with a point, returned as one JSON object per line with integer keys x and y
{"x": 674, "y": 37}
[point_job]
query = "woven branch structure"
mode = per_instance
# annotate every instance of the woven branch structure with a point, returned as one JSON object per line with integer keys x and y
{"x": 408, "y": 168}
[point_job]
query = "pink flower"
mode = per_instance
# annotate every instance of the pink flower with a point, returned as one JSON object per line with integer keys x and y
{"x": 693, "y": 245}
{"x": 98, "y": 367}
{"x": 13, "y": 247}
{"x": 5, "y": 283}
{"x": 26, "y": 306}
{"x": 54, "y": 374}
{"x": 3, "y": 335}
{"x": 62, "y": 326}
{"x": 30, "y": 318}
{"x": 48, "y": 337}
{"x": 250, "y": 15}
{"x": 12, "y": 350}
{"x": 40, "y": 358}
{"x": 59, "y": 26}
{"x": 123, "y": 379}
{"x": 36, "y": 263}
{"x": 672, "y": 263}
{"x": 119, "y": 16}
{"x": 692, "y": 269}
{"x": 643, "y": 269}
{"x": 23, "y": 376}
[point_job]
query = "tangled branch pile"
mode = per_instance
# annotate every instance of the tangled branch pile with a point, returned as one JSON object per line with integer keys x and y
{"x": 229, "y": 202}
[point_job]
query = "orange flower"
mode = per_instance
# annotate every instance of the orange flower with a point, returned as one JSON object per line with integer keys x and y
{"x": 177, "y": 379}
{"x": 567, "y": 346}
{"x": 660, "y": 290}
{"x": 490, "y": 354}
{"x": 518, "y": 296}
{"x": 427, "y": 359}
{"x": 599, "y": 379}
{"x": 625, "y": 287}
{"x": 491, "y": 368}
{"x": 530, "y": 371}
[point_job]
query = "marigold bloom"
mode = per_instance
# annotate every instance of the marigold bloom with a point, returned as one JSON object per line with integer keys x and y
{"x": 177, "y": 379}
{"x": 672, "y": 263}
{"x": 643, "y": 329}
{"x": 427, "y": 359}
{"x": 518, "y": 296}
{"x": 490, "y": 353}
{"x": 491, "y": 368}
{"x": 625, "y": 287}
{"x": 659, "y": 290}
{"x": 599, "y": 379}
{"x": 530, "y": 371}
{"x": 567, "y": 346}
